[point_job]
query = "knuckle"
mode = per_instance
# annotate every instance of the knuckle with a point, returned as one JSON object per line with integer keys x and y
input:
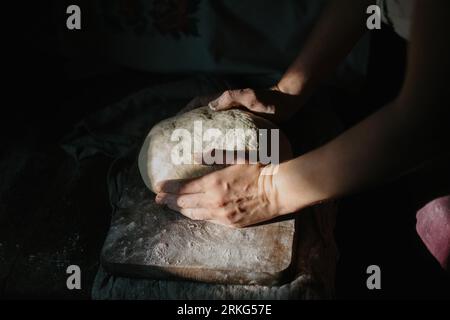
{"x": 219, "y": 202}
{"x": 230, "y": 216}
{"x": 253, "y": 103}
{"x": 227, "y": 94}
{"x": 180, "y": 202}
{"x": 246, "y": 91}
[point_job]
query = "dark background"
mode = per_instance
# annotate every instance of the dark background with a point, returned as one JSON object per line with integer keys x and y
{"x": 41, "y": 234}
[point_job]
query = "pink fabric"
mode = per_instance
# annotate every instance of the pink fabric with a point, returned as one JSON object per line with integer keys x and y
{"x": 433, "y": 227}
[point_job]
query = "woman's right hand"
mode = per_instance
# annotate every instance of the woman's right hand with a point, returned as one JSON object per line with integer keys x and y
{"x": 272, "y": 104}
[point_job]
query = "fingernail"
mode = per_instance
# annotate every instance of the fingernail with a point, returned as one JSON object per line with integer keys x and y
{"x": 213, "y": 105}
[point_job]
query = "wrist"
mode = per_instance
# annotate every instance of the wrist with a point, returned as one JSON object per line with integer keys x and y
{"x": 268, "y": 189}
{"x": 286, "y": 199}
{"x": 298, "y": 185}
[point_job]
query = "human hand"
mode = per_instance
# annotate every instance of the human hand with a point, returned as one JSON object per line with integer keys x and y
{"x": 237, "y": 196}
{"x": 272, "y": 104}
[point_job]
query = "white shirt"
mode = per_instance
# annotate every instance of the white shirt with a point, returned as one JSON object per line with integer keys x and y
{"x": 398, "y": 13}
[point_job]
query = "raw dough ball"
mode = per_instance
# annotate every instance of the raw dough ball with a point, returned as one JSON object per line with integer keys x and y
{"x": 155, "y": 157}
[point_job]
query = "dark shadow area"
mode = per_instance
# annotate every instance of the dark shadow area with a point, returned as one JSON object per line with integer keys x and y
{"x": 378, "y": 227}
{"x": 55, "y": 212}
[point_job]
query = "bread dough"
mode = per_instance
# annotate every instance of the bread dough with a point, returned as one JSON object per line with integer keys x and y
{"x": 155, "y": 157}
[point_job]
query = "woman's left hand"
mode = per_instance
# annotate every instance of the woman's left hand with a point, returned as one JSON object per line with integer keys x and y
{"x": 238, "y": 195}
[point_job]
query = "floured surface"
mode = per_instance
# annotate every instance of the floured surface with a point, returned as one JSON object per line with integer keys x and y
{"x": 146, "y": 239}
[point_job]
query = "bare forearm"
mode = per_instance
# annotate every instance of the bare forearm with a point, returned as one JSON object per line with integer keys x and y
{"x": 340, "y": 26}
{"x": 380, "y": 148}
{"x": 401, "y": 135}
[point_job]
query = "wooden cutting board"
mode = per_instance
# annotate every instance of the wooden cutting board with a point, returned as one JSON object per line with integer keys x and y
{"x": 159, "y": 243}
{"x": 152, "y": 241}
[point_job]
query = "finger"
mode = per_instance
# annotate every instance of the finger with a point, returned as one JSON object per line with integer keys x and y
{"x": 234, "y": 98}
{"x": 196, "y": 200}
{"x": 211, "y": 215}
{"x": 180, "y": 186}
